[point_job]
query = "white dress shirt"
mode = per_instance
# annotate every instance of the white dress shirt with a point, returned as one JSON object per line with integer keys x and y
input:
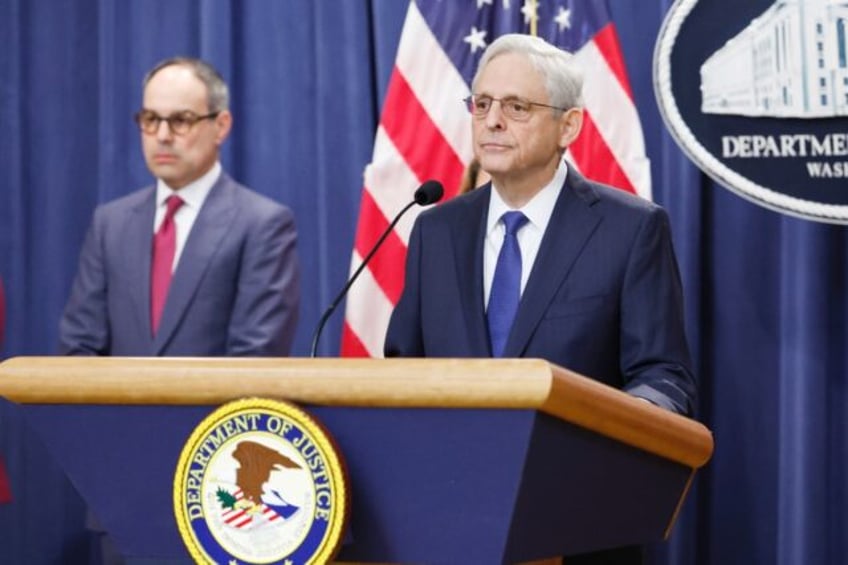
{"x": 538, "y": 211}
{"x": 193, "y": 196}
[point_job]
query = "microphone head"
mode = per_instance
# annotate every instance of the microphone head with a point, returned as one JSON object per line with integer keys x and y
{"x": 429, "y": 193}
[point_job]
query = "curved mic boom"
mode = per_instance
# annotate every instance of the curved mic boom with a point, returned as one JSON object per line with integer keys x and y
{"x": 428, "y": 193}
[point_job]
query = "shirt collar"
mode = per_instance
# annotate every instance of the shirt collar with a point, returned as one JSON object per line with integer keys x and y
{"x": 538, "y": 210}
{"x": 194, "y": 193}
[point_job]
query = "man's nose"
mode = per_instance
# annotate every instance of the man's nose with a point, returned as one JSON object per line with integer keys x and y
{"x": 495, "y": 117}
{"x": 163, "y": 132}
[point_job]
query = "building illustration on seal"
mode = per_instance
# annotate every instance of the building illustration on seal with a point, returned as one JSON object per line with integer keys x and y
{"x": 791, "y": 61}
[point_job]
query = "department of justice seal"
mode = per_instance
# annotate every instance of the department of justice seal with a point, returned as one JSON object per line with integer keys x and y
{"x": 756, "y": 94}
{"x": 259, "y": 481}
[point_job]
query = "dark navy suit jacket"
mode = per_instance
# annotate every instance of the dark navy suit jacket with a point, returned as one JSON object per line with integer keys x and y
{"x": 603, "y": 299}
{"x": 235, "y": 291}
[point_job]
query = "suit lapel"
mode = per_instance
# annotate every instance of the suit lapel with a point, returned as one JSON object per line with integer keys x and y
{"x": 138, "y": 257}
{"x": 571, "y": 225}
{"x": 209, "y": 229}
{"x": 468, "y": 237}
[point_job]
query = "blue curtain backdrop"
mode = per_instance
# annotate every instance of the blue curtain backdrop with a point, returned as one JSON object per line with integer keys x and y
{"x": 765, "y": 300}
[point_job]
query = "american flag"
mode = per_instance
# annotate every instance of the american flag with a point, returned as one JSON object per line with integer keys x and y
{"x": 425, "y": 132}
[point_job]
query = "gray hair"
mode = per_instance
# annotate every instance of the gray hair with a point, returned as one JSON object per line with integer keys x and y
{"x": 217, "y": 93}
{"x": 563, "y": 78}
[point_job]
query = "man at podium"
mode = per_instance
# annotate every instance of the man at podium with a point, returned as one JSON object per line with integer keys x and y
{"x": 542, "y": 262}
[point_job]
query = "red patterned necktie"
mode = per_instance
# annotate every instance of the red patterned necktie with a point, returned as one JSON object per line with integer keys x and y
{"x": 164, "y": 248}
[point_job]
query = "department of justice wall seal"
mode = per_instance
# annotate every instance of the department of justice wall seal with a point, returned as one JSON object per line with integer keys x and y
{"x": 756, "y": 94}
{"x": 260, "y": 481}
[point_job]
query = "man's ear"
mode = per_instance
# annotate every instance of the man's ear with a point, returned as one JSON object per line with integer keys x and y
{"x": 223, "y": 123}
{"x": 571, "y": 122}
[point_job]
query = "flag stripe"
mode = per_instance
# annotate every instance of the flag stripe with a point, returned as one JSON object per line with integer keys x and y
{"x": 351, "y": 344}
{"x": 423, "y": 147}
{"x": 269, "y": 514}
{"x": 436, "y": 82}
{"x": 598, "y": 162}
{"x": 620, "y": 130}
{"x": 391, "y": 183}
{"x": 390, "y": 253}
{"x": 371, "y": 318}
{"x": 607, "y": 43}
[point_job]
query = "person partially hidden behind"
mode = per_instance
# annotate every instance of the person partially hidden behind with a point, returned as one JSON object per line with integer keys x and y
{"x": 542, "y": 262}
{"x": 473, "y": 177}
{"x": 196, "y": 265}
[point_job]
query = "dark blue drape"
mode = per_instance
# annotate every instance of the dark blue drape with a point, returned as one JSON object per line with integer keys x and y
{"x": 765, "y": 301}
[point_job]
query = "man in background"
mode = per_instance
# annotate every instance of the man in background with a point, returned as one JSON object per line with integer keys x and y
{"x": 541, "y": 262}
{"x": 197, "y": 264}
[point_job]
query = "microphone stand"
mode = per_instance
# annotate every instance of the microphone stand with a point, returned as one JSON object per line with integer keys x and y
{"x": 332, "y": 308}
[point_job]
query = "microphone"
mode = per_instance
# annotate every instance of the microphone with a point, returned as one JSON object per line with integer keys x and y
{"x": 428, "y": 193}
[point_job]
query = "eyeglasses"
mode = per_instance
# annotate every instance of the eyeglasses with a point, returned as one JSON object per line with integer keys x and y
{"x": 514, "y": 108}
{"x": 179, "y": 123}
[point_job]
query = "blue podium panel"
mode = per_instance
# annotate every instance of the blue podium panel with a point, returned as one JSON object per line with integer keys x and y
{"x": 431, "y": 485}
{"x": 584, "y": 492}
{"x": 46, "y": 520}
{"x": 427, "y": 485}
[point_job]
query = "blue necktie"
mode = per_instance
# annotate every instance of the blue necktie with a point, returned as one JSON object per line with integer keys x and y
{"x": 506, "y": 284}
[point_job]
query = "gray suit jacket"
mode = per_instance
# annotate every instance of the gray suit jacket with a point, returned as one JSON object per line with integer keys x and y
{"x": 236, "y": 289}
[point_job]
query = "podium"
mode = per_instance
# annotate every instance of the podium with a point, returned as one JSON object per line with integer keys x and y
{"x": 449, "y": 460}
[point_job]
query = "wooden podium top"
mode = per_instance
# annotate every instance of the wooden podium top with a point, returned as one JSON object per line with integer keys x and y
{"x": 424, "y": 383}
